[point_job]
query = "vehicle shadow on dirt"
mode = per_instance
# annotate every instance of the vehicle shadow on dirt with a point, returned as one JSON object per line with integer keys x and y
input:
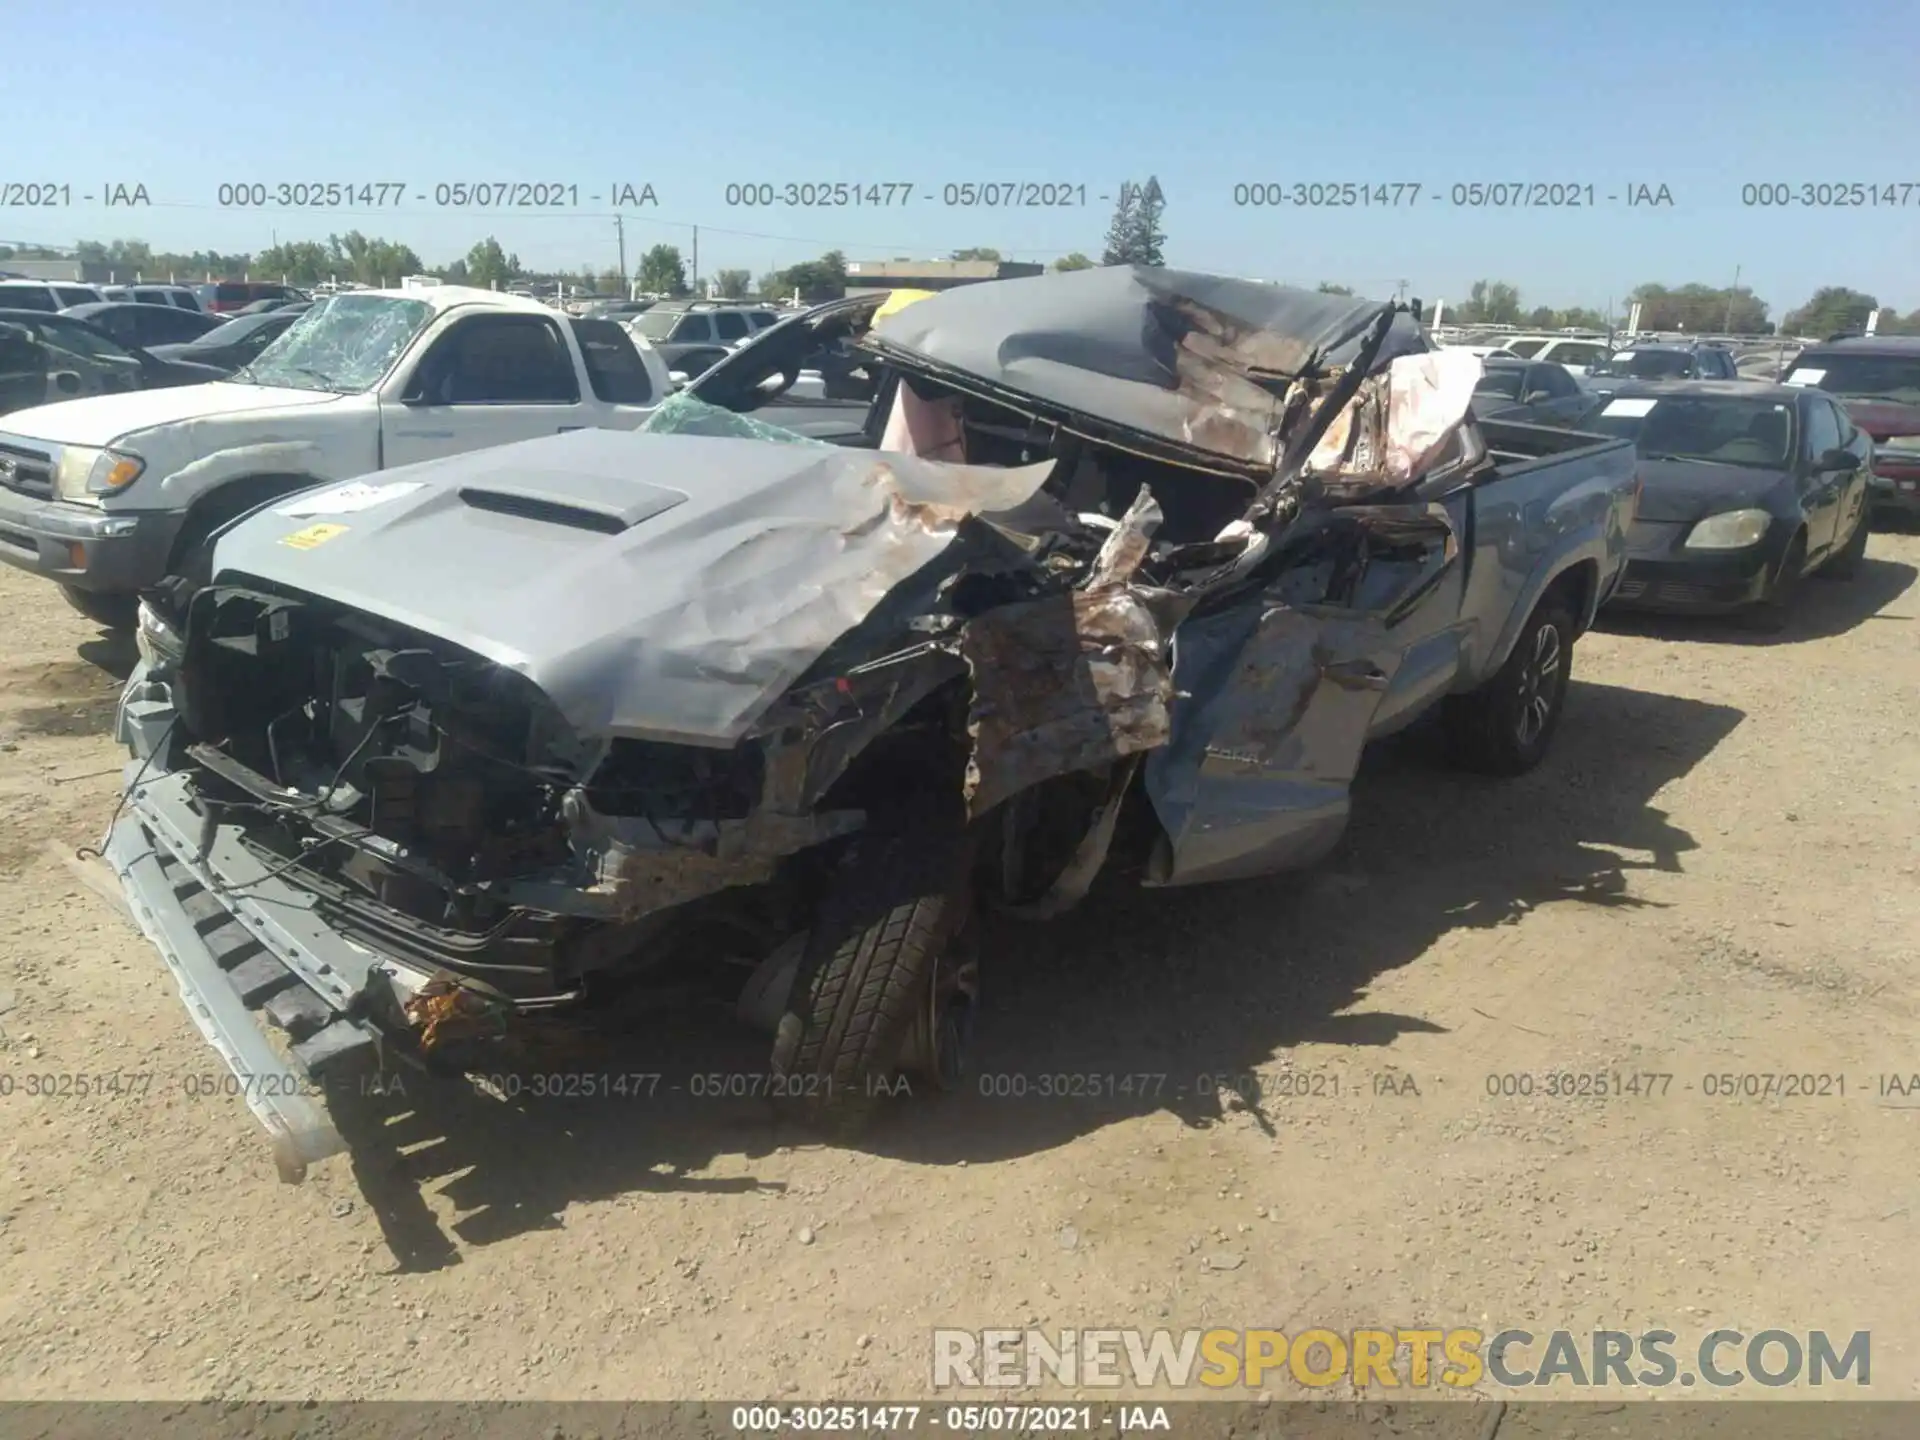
{"x": 1823, "y": 609}
{"x": 1167, "y": 985}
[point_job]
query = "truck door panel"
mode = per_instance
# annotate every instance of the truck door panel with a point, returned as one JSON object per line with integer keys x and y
{"x": 1278, "y": 692}
{"x": 488, "y": 380}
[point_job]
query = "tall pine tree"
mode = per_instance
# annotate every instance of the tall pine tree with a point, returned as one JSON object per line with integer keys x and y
{"x": 1150, "y": 203}
{"x": 1120, "y": 233}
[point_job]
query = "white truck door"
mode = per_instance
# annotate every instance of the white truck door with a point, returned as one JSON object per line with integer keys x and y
{"x": 488, "y": 379}
{"x": 623, "y": 381}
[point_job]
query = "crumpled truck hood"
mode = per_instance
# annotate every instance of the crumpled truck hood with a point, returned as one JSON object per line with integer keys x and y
{"x": 1198, "y": 361}
{"x": 103, "y": 419}
{"x": 655, "y": 586}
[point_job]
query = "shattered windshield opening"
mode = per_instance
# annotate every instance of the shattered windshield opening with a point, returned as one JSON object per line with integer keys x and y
{"x": 345, "y": 344}
{"x": 684, "y": 414}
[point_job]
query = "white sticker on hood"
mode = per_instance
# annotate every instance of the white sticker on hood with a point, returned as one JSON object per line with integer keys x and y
{"x": 347, "y": 499}
{"x": 1806, "y": 377}
{"x": 1631, "y": 407}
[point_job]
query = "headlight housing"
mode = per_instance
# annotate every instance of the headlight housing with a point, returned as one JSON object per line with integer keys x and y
{"x": 161, "y": 646}
{"x": 1735, "y": 530}
{"x": 85, "y": 474}
{"x": 1899, "y": 447}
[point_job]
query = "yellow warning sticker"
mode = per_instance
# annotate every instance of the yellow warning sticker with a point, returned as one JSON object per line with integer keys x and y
{"x": 313, "y": 535}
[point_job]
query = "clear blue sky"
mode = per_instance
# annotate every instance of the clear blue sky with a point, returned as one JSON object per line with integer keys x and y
{"x": 1700, "y": 97}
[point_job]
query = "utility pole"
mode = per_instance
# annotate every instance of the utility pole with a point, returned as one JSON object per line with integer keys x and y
{"x": 694, "y": 286}
{"x": 620, "y": 230}
{"x": 1726, "y": 325}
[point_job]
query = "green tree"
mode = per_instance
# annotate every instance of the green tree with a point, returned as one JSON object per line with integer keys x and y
{"x": 369, "y": 261}
{"x": 1148, "y": 237}
{"x": 772, "y": 286}
{"x": 611, "y": 282}
{"x": 125, "y": 259}
{"x": 732, "y": 284}
{"x": 816, "y": 280}
{"x": 490, "y": 267}
{"x": 1122, "y": 228}
{"x": 1543, "y": 317}
{"x": 1701, "y": 309}
{"x": 977, "y": 252}
{"x": 1489, "y": 302}
{"x": 302, "y": 262}
{"x": 1327, "y": 287}
{"x": 1075, "y": 261}
{"x": 1832, "y": 309}
{"x": 1579, "y": 318}
{"x": 662, "y": 271}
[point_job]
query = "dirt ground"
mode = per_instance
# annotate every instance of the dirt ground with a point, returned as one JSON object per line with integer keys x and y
{"x": 1714, "y": 874}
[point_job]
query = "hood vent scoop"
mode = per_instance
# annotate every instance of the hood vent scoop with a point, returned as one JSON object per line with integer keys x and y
{"x": 598, "y": 505}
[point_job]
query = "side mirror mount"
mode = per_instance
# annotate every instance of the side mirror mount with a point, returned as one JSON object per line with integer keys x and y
{"x": 67, "y": 382}
{"x": 1838, "y": 459}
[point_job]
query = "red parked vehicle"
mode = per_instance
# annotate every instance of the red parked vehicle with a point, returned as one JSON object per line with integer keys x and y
{"x": 1877, "y": 378}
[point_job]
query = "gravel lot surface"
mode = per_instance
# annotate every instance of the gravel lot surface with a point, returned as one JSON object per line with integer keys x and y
{"x": 1714, "y": 875}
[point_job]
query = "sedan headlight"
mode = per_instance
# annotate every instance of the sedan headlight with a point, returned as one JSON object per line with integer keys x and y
{"x": 1735, "y": 530}
{"x": 161, "y": 646}
{"x": 84, "y": 474}
{"x": 1899, "y": 447}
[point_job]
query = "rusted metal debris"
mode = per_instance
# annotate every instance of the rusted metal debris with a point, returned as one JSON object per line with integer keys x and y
{"x": 447, "y": 1008}
{"x": 1065, "y": 683}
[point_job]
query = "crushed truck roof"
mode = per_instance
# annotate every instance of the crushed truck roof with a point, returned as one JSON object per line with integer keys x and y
{"x": 1203, "y": 362}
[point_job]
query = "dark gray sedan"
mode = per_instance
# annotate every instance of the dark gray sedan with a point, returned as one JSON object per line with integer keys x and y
{"x": 132, "y": 323}
{"x": 1530, "y": 390}
{"x": 237, "y": 342}
{"x": 1746, "y": 490}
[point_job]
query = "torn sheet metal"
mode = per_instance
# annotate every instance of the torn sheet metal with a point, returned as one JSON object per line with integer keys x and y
{"x": 1398, "y": 422}
{"x": 640, "y": 865}
{"x": 683, "y": 588}
{"x": 1066, "y": 683}
{"x": 1125, "y": 550}
{"x": 1202, "y": 361}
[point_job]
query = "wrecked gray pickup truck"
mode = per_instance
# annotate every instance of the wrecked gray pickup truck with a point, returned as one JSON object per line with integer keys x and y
{"x": 1137, "y": 563}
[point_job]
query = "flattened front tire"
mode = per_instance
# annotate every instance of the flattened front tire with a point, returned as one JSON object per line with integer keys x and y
{"x": 1506, "y": 726}
{"x": 108, "y": 611}
{"x": 866, "y": 977}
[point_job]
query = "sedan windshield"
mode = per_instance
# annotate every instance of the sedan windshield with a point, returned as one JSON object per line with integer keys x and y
{"x": 1861, "y": 377}
{"x": 234, "y": 332}
{"x": 345, "y": 344}
{"x": 1722, "y": 429}
{"x": 1646, "y": 365}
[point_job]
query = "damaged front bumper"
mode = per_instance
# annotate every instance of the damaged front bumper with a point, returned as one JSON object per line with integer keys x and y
{"x": 245, "y": 947}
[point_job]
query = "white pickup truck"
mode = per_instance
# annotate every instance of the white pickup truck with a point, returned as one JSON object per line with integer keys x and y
{"x": 107, "y": 495}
